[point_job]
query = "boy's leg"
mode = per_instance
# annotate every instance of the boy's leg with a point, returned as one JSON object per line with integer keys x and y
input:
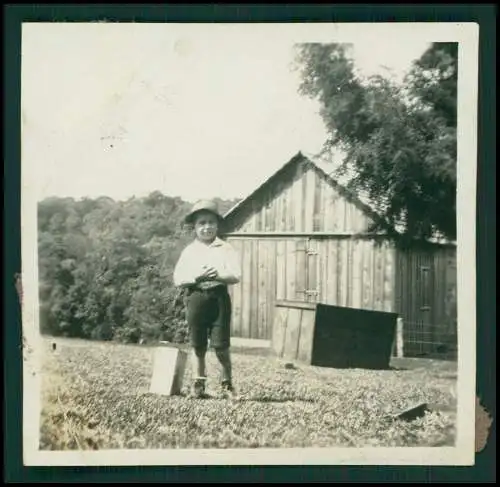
{"x": 199, "y": 373}
{"x": 227, "y": 386}
{"x": 196, "y": 315}
{"x": 220, "y": 339}
{"x": 224, "y": 357}
{"x": 198, "y": 361}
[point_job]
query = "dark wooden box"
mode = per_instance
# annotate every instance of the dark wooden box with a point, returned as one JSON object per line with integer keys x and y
{"x": 333, "y": 336}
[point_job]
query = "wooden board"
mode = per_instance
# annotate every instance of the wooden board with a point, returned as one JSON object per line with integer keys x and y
{"x": 314, "y": 274}
{"x": 291, "y": 269}
{"x": 292, "y": 335}
{"x": 343, "y": 261}
{"x": 279, "y": 330}
{"x": 306, "y": 336}
{"x": 169, "y": 366}
{"x": 281, "y": 270}
{"x": 322, "y": 273}
{"x": 309, "y": 200}
{"x": 271, "y": 288}
{"x": 356, "y": 279}
{"x": 300, "y": 270}
{"x": 332, "y": 274}
{"x": 235, "y": 293}
{"x": 318, "y": 209}
{"x": 367, "y": 272}
{"x": 246, "y": 289}
{"x": 263, "y": 265}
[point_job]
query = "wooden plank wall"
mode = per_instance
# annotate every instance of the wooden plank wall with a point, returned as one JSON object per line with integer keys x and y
{"x": 356, "y": 273}
{"x": 426, "y": 284}
{"x": 346, "y": 272}
{"x": 302, "y": 201}
{"x": 293, "y": 331}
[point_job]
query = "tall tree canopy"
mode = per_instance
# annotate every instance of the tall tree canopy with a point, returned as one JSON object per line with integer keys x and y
{"x": 399, "y": 141}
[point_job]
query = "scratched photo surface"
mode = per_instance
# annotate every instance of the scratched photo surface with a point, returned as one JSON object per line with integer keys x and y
{"x": 342, "y": 160}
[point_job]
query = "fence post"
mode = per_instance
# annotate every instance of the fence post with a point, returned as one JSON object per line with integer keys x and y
{"x": 399, "y": 338}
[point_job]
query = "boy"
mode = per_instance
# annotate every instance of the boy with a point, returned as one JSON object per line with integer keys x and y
{"x": 206, "y": 268}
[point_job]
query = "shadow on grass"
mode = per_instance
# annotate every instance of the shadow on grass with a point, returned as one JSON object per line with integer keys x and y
{"x": 262, "y": 352}
{"x": 410, "y": 363}
{"x": 448, "y": 376}
{"x": 244, "y": 398}
{"x": 267, "y": 399}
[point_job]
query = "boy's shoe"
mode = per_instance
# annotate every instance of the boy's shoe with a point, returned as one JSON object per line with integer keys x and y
{"x": 198, "y": 391}
{"x": 228, "y": 391}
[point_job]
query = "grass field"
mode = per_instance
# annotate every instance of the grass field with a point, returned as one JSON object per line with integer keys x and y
{"x": 95, "y": 396}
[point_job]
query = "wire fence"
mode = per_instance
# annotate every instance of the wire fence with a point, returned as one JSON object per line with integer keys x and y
{"x": 418, "y": 339}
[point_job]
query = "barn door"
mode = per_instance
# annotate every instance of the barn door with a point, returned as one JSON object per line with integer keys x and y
{"x": 307, "y": 270}
{"x": 425, "y": 292}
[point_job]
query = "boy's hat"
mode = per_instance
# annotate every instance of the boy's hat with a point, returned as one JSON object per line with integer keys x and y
{"x": 203, "y": 205}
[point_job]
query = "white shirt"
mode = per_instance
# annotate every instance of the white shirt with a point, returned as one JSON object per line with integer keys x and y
{"x": 219, "y": 255}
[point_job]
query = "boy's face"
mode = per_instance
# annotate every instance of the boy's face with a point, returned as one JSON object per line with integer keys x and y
{"x": 205, "y": 226}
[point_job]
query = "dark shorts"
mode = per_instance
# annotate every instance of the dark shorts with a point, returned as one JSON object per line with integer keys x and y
{"x": 208, "y": 316}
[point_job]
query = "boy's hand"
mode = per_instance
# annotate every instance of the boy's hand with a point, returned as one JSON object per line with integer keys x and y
{"x": 208, "y": 273}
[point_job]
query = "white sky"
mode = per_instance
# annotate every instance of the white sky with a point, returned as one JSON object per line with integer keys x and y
{"x": 191, "y": 111}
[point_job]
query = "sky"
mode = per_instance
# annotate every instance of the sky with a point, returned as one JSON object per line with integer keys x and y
{"x": 122, "y": 110}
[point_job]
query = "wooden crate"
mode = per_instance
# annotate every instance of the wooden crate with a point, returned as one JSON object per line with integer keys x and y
{"x": 169, "y": 366}
{"x": 333, "y": 336}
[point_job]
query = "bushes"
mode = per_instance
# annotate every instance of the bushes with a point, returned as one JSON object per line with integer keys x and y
{"x": 175, "y": 327}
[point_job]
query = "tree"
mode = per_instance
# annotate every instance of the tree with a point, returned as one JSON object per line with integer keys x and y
{"x": 399, "y": 141}
{"x": 434, "y": 80}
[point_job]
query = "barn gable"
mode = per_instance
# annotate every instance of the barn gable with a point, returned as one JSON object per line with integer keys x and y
{"x": 300, "y": 198}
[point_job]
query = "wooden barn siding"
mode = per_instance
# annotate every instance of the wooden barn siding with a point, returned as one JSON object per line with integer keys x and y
{"x": 302, "y": 202}
{"x": 347, "y": 272}
{"x": 426, "y": 287}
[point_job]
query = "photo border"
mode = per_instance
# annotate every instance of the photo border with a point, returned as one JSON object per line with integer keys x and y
{"x": 484, "y": 15}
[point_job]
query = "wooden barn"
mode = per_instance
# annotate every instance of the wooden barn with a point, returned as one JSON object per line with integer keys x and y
{"x": 303, "y": 237}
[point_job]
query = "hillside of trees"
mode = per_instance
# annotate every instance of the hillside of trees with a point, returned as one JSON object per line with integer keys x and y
{"x": 105, "y": 267}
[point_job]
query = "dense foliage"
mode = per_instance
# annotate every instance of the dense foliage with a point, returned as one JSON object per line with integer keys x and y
{"x": 105, "y": 267}
{"x": 399, "y": 140}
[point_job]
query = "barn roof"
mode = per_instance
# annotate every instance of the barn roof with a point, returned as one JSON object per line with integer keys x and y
{"x": 326, "y": 167}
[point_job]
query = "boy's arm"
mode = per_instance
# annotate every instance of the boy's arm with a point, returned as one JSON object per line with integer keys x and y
{"x": 184, "y": 274}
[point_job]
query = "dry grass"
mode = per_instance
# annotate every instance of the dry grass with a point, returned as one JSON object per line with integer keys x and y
{"x": 95, "y": 396}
